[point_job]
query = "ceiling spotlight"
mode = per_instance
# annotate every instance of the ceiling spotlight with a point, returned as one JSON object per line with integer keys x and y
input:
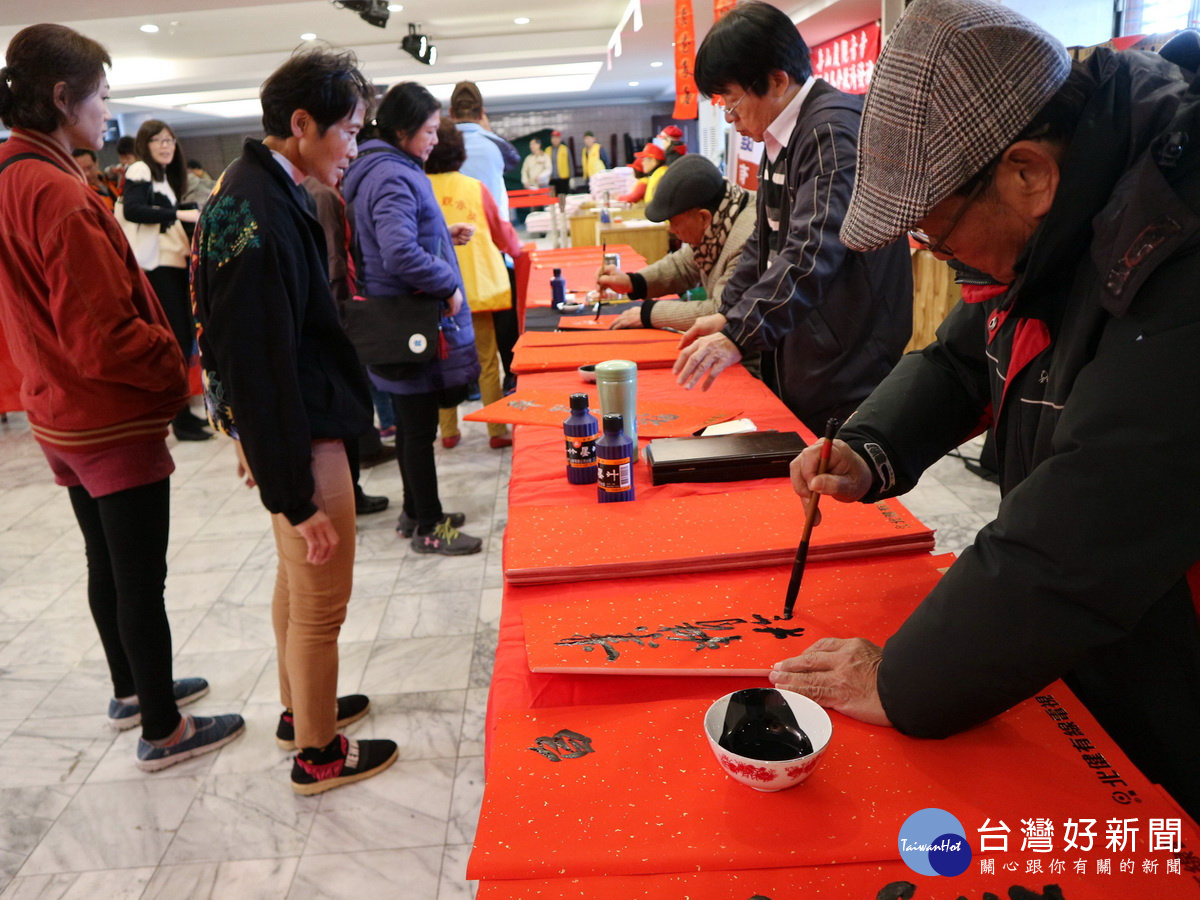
{"x": 150, "y": 29}
{"x": 395, "y": 7}
{"x": 521, "y": 20}
{"x": 373, "y": 12}
{"x": 418, "y": 46}
{"x": 308, "y": 36}
{"x": 634, "y": 83}
{"x": 656, "y": 65}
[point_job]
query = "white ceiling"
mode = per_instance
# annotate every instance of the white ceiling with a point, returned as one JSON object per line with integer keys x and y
{"x": 207, "y": 51}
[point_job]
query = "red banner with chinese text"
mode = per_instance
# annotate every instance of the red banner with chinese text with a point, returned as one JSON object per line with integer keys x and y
{"x": 848, "y": 60}
{"x": 686, "y": 95}
{"x": 720, "y": 7}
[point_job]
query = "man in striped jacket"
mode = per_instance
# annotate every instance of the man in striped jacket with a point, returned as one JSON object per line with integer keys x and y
{"x": 829, "y": 322}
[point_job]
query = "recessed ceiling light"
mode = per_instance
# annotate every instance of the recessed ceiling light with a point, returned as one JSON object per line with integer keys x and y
{"x": 308, "y": 36}
{"x": 521, "y": 20}
{"x": 634, "y": 83}
{"x": 150, "y": 29}
{"x": 656, "y": 65}
{"x": 395, "y": 7}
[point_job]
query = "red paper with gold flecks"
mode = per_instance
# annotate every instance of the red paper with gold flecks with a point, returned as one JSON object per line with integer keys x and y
{"x": 720, "y": 7}
{"x": 686, "y": 95}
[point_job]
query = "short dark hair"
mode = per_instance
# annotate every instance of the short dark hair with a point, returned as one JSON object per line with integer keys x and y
{"x": 450, "y": 152}
{"x": 38, "y": 58}
{"x": 126, "y": 146}
{"x": 83, "y": 151}
{"x": 324, "y": 83}
{"x": 403, "y": 110}
{"x": 194, "y": 164}
{"x": 748, "y": 43}
{"x": 173, "y": 172}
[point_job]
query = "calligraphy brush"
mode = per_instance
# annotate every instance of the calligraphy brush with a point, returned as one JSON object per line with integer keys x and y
{"x": 600, "y": 292}
{"x": 810, "y": 513}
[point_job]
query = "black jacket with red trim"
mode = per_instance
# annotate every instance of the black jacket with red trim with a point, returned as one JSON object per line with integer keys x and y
{"x": 1089, "y": 366}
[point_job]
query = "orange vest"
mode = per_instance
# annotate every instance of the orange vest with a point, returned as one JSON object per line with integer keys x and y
{"x": 484, "y": 277}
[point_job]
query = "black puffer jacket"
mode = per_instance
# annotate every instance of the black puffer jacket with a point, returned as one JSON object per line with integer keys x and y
{"x": 1090, "y": 367}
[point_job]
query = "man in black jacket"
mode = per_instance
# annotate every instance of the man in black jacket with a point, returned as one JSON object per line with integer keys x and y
{"x": 829, "y": 321}
{"x": 1075, "y": 187}
{"x": 284, "y": 381}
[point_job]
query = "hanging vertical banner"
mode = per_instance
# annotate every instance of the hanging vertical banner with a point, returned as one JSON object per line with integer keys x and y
{"x": 686, "y": 95}
{"x": 720, "y": 7}
{"x": 848, "y": 60}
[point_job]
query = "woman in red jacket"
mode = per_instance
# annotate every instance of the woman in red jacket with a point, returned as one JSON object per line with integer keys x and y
{"x": 102, "y": 375}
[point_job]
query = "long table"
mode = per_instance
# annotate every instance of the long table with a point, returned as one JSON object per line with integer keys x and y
{"x": 614, "y": 816}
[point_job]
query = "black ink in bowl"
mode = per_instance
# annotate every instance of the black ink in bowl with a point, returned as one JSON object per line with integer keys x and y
{"x": 759, "y": 724}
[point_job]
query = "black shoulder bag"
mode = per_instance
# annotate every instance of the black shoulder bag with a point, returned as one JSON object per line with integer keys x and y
{"x": 394, "y": 336}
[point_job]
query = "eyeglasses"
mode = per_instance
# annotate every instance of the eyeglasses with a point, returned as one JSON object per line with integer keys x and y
{"x": 166, "y": 141}
{"x": 939, "y": 245}
{"x": 729, "y": 109}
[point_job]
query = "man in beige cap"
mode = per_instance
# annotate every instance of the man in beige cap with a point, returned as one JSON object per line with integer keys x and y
{"x": 1075, "y": 186}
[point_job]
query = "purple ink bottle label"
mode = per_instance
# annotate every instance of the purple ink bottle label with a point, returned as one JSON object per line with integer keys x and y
{"x": 614, "y": 457}
{"x": 581, "y": 430}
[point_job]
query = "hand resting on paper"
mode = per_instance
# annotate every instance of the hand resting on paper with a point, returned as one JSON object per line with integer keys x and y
{"x": 839, "y": 674}
{"x": 630, "y": 318}
{"x": 846, "y": 479}
{"x": 704, "y": 353}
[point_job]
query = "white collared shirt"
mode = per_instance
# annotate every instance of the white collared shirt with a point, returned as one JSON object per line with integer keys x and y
{"x": 286, "y": 164}
{"x": 779, "y": 132}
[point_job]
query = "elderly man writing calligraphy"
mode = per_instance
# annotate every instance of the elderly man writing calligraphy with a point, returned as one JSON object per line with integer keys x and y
{"x": 1075, "y": 187}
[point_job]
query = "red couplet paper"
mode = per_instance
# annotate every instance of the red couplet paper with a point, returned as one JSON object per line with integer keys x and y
{"x": 729, "y": 626}
{"x": 654, "y": 419}
{"x": 695, "y": 534}
{"x": 622, "y": 336}
{"x": 647, "y": 354}
{"x": 587, "y": 323}
{"x": 634, "y": 789}
{"x": 851, "y": 881}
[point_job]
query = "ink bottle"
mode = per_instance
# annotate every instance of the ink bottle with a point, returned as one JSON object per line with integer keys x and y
{"x": 581, "y": 430}
{"x": 558, "y": 289}
{"x": 614, "y": 459}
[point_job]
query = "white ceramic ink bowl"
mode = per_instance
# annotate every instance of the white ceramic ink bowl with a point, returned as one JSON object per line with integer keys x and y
{"x": 588, "y": 374}
{"x": 772, "y": 775}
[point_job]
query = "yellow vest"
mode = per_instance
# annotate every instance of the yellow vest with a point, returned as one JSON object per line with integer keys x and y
{"x": 562, "y": 161}
{"x": 483, "y": 271}
{"x": 654, "y": 179}
{"x": 591, "y": 161}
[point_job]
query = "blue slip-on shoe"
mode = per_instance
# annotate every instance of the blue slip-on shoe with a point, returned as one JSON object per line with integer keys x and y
{"x": 122, "y": 716}
{"x": 203, "y": 734}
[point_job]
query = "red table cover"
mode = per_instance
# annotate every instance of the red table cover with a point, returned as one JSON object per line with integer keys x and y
{"x": 650, "y": 798}
{"x": 579, "y": 266}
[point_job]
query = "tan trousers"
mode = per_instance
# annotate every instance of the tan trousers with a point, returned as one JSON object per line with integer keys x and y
{"x": 489, "y": 376}
{"x": 310, "y": 601}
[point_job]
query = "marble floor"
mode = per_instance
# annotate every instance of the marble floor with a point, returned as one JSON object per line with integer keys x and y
{"x": 78, "y": 821}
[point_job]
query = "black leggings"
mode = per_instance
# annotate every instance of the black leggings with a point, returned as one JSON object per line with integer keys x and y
{"x": 416, "y": 430}
{"x": 125, "y": 536}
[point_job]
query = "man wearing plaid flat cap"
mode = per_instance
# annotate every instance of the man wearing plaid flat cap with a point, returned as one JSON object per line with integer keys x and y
{"x": 1076, "y": 187}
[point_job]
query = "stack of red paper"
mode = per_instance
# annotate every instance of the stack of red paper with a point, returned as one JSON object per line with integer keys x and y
{"x": 696, "y": 534}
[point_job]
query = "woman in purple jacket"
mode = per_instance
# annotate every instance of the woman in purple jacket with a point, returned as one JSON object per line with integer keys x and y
{"x": 406, "y": 248}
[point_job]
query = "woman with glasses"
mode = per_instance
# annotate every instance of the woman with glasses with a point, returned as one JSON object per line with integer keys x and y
{"x": 150, "y": 213}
